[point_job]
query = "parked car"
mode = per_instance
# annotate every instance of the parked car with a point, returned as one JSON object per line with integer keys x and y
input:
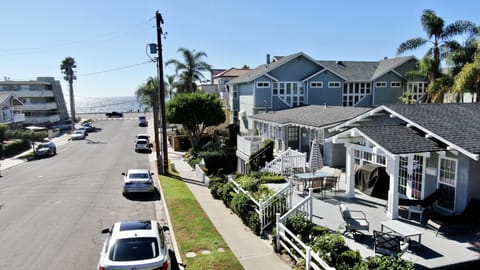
{"x": 89, "y": 127}
{"x": 142, "y": 145}
{"x": 45, "y": 149}
{"x": 84, "y": 129}
{"x": 139, "y": 245}
{"x": 114, "y": 114}
{"x": 142, "y": 121}
{"x": 137, "y": 181}
{"x": 142, "y": 136}
{"x": 78, "y": 135}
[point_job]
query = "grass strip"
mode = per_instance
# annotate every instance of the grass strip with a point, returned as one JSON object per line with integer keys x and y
{"x": 193, "y": 229}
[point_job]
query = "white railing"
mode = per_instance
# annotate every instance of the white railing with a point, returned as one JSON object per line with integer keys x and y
{"x": 267, "y": 209}
{"x": 249, "y": 144}
{"x": 292, "y": 244}
{"x": 288, "y": 161}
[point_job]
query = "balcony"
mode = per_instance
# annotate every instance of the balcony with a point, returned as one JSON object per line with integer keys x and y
{"x": 34, "y": 93}
{"x": 247, "y": 145}
{"x": 42, "y": 119}
{"x": 38, "y": 107}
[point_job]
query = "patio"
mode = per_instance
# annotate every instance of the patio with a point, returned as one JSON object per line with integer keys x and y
{"x": 458, "y": 244}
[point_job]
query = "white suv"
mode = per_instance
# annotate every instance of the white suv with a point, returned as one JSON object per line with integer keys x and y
{"x": 139, "y": 245}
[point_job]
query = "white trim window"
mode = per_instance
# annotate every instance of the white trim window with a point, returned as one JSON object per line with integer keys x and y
{"x": 417, "y": 90}
{"x": 447, "y": 182}
{"x": 292, "y": 93}
{"x": 395, "y": 84}
{"x": 353, "y": 93}
{"x": 381, "y": 84}
{"x": 316, "y": 84}
{"x": 334, "y": 84}
{"x": 263, "y": 84}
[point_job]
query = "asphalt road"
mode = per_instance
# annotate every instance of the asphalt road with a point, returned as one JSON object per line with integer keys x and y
{"x": 52, "y": 210}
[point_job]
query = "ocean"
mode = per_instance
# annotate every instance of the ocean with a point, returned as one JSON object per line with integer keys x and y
{"x": 105, "y": 104}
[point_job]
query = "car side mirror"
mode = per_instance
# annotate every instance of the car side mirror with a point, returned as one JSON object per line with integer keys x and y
{"x": 106, "y": 230}
{"x": 165, "y": 228}
{"x": 123, "y": 173}
{"x": 150, "y": 144}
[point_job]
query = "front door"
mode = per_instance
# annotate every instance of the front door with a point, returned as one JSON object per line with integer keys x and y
{"x": 411, "y": 174}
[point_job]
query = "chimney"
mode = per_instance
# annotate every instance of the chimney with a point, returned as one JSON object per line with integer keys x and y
{"x": 268, "y": 59}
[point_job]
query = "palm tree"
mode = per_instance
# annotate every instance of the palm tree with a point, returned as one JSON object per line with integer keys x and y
{"x": 469, "y": 77}
{"x": 190, "y": 70}
{"x": 147, "y": 94}
{"x": 439, "y": 35}
{"x": 170, "y": 85}
{"x": 67, "y": 66}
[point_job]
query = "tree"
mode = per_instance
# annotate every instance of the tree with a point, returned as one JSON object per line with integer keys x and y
{"x": 469, "y": 77}
{"x": 439, "y": 35}
{"x": 170, "y": 85}
{"x": 190, "y": 70}
{"x": 147, "y": 94}
{"x": 67, "y": 66}
{"x": 195, "y": 112}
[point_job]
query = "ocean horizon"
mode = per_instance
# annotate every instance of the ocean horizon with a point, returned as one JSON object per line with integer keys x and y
{"x": 105, "y": 104}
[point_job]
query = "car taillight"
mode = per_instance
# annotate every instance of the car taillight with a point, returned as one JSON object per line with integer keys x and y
{"x": 163, "y": 267}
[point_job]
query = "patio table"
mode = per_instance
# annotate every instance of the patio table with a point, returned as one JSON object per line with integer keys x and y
{"x": 402, "y": 229}
{"x": 308, "y": 177}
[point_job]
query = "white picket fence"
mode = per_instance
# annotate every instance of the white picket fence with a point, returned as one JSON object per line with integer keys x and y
{"x": 292, "y": 244}
{"x": 267, "y": 209}
{"x": 288, "y": 161}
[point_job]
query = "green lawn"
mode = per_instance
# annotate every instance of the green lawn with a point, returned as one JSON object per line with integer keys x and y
{"x": 193, "y": 229}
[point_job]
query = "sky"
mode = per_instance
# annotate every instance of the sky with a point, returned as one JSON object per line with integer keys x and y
{"x": 108, "y": 38}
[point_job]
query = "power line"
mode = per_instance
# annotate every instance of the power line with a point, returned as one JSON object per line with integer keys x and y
{"x": 114, "y": 69}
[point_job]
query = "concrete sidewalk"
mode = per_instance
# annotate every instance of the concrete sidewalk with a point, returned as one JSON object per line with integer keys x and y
{"x": 252, "y": 251}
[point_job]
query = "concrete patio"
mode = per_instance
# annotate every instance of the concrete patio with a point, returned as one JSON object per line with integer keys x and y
{"x": 458, "y": 246}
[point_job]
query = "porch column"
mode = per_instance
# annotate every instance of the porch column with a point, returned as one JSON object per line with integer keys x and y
{"x": 349, "y": 173}
{"x": 392, "y": 203}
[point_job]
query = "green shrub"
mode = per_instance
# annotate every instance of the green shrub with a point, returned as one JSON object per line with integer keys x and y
{"x": 300, "y": 226}
{"x": 214, "y": 180}
{"x": 16, "y": 147}
{"x": 248, "y": 183}
{"x": 254, "y": 222}
{"x": 329, "y": 246}
{"x": 384, "y": 263}
{"x": 348, "y": 259}
{"x": 272, "y": 179}
{"x": 216, "y": 189}
{"x": 319, "y": 230}
{"x": 241, "y": 204}
{"x": 226, "y": 193}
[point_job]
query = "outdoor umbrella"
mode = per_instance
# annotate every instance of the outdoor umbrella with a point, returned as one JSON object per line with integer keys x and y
{"x": 316, "y": 160}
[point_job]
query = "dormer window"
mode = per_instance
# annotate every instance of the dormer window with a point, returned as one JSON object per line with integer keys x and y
{"x": 316, "y": 84}
{"x": 380, "y": 84}
{"x": 263, "y": 84}
{"x": 334, "y": 84}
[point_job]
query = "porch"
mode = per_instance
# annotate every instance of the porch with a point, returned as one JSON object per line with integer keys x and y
{"x": 455, "y": 245}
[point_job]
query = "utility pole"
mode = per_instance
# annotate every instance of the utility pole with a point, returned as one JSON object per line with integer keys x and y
{"x": 161, "y": 89}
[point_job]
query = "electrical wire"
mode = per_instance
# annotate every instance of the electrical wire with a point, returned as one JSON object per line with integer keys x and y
{"x": 114, "y": 69}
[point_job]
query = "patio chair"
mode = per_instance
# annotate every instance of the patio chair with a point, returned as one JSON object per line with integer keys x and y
{"x": 355, "y": 220}
{"x": 331, "y": 183}
{"x": 316, "y": 185}
{"x": 389, "y": 244}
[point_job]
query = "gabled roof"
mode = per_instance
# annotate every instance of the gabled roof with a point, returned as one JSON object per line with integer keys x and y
{"x": 387, "y": 65}
{"x": 390, "y": 136}
{"x": 265, "y": 68}
{"x": 232, "y": 72}
{"x": 351, "y": 70}
{"x": 310, "y": 115}
{"x": 456, "y": 125}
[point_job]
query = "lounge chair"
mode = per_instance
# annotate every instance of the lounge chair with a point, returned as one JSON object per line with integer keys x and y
{"x": 355, "y": 220}
{"x": 388, "y": 243}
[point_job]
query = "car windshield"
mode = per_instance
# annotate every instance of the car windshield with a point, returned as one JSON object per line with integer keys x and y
{"x": 138, "y": 176}
{"x": 134, "y": 249}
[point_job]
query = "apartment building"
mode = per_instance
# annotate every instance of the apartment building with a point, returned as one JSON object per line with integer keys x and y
{"x": 41, "y": 100}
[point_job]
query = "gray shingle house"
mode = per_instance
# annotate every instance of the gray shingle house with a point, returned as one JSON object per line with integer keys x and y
{"x": 298, "y": 79}
{"x": 296, "y": 128}
{"x": 424, "y": 147}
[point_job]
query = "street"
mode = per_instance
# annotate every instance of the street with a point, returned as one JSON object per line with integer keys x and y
{"x": 52, "y": 210}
